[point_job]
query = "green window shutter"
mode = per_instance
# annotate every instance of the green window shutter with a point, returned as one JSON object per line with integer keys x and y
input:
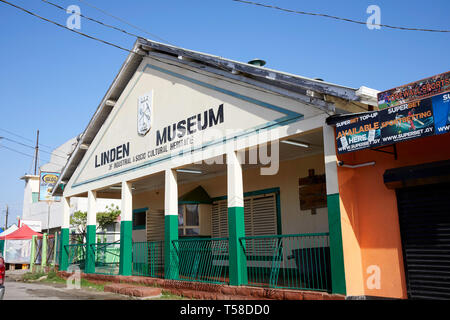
{"x": 35, "y": 197}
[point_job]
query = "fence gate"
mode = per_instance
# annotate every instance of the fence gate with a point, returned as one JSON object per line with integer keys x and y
{"x": 38, "y": 241}
{"x": 50, "y": 249}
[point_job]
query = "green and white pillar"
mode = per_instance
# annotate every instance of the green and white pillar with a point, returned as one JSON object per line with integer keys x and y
{"x": 44, "y": 252}
{"x": 338, "y": 284}
{"x": 55, "y": 245}
{"x": 236, "y": 226}
{"x": 64, "y": 239}
{"x": 171, "y": 263}
{"x": 33, "y": 252}
{"x": 126, "y": 230}
{"x": 91, "y": 228}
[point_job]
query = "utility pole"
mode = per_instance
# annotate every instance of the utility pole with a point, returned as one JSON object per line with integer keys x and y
{"x": 36, "y": 152}
{"x": 49, "y": 203}
{"x": 6, "y": 217}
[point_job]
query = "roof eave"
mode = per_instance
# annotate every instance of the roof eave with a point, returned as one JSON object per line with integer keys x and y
{"x": 103, "y": 110}
{"x": 261, "y": 72}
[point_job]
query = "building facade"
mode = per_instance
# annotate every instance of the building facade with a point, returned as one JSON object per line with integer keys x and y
{"x": 394, "y": 193}
{"x": 229, "y": 168}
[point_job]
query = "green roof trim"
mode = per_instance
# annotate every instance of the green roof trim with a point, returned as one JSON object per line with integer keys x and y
{"x": 195, "y": 196}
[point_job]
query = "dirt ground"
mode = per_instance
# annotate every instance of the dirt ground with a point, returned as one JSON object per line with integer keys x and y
{"x": 17, "y": 290}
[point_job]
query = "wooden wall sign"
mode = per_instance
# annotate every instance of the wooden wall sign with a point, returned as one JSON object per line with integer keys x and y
{"x": 312, "y": 192}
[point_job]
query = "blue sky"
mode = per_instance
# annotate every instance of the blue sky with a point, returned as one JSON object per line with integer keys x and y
{"x": 52, "y": 79}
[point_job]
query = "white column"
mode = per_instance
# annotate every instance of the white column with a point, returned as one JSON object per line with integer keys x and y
{"x": 64, "y": 238}
{"x": 330, "y": 160}
{"x": 236, "y": 221}
{"x": 235, "y": 188}
{"x": 171, "y": 193}
{"x": 170, "y": 224}
{"x": 91, "y": 235}
{"x": 92, "y": 208}
{"x": 66, "y": 213}
{"x": 127, "y": 202}
{"x": 338, "y": 283}
{"x": 126, "y": 230}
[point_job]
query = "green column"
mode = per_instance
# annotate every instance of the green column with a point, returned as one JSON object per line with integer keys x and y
{"x": 237, "y": 258}
{"x": 126, "y": 244}
{"x": 55, "y": 245}
{"x": 336, "y": 248}
{"x": 170, "y": 257}
{"x": 33, "y": 252}
{"x": 44, "y": 252}
{"x": 90, "y": 254}
{"x": 63, "y": 254}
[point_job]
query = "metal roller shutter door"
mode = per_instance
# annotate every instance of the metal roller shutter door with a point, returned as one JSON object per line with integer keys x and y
{"x": 424, "y": 214}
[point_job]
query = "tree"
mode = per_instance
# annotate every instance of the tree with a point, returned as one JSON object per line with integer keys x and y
{"x": 79, "y": 220}
{"x": 105, "y": 218}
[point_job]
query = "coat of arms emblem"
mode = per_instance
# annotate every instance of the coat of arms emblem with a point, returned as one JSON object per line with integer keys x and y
{"x": 144, "y": 115}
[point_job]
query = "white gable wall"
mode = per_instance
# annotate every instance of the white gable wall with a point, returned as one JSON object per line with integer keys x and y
{"x": 179, "y": 94}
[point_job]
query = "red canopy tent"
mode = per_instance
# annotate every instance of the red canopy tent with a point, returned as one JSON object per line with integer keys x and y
{"x": 23, "y": 233}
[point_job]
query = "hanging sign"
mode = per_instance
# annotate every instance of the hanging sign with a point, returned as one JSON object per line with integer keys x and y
{"x": 408, "y": 121}
{"x": 17, "y": 251}
{"x": 441, "y": 112}
{"x": 414, "y": 91}
{"x": 47, "y": 181}
{"x": 419, "y": 109}
{"x": 358, "y": 133}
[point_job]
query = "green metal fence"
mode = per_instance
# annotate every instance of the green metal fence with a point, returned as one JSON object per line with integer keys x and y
{"x": 107, "y": 257}
{"x": 148, "y": 259}
{"x": 203, "y": 260}
{"x": 299, "y": 261}
{"x": 76, "y": 254}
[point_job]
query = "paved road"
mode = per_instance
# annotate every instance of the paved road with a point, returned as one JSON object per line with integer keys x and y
{"x": 49, "y": 291}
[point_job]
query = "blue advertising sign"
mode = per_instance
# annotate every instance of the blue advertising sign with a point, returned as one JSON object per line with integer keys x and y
{"x": 411, "y": 120}
{"x": 441, "y": 111}
{"x": 407, "y": 121}
{"x": 47, "y": 182}
{"x": 358, "y": 133}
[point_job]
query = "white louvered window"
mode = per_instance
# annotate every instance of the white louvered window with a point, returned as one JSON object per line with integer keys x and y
{"x": 219, "y": 219}
{"x": 260, "y": 216}
{"x": 155, "y": 226}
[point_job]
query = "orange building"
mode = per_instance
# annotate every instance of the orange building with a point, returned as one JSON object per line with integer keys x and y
{"x": 395, "y": 217}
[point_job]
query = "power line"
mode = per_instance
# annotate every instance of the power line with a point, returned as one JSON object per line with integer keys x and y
{"x": 28, "y": 146}
{"x": 27, "y": 139}
{"x": 72, "y": 30}
{"x": 336, "y": 18}
{"x": 20, "y": 152}
{"x": 92, "y": 19}
{"x": 30, "y": 156}
{"x": 124, "y": 21}
{"x": 80, "y": 33}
